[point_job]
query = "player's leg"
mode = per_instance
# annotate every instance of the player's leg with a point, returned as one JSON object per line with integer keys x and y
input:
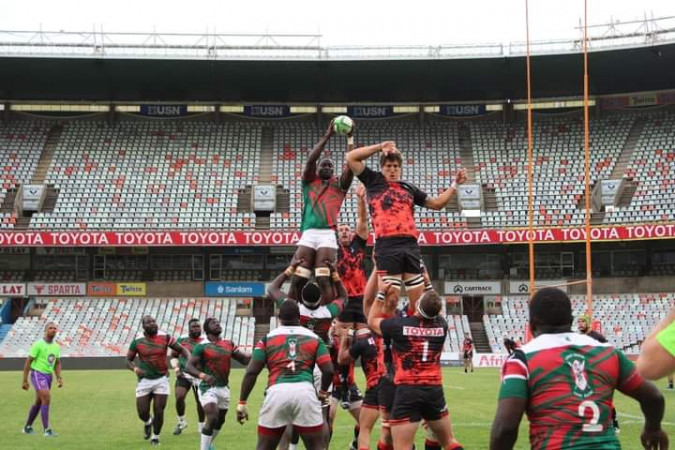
{"x": 322, "y": 272}
{"x": 45, "y": 401}
{"x": 223, "y": 404}
{"x": 434, "y": 411}
{"x": 466, "y": 362}
{"x": 413, "y": 279}
{"x": 367, "y": 418}
{"x": 355, "y": 403}
{"x": 403, "y": 434}
{"x": 303, "y": 272}
{"x": 442, "y": 430}
{"x": 211, "y": 413}
{"x": 159, "y": 402}
{"x": 200, "y": 411}
{"x": 313, "y": 440}
{"x": 181, "y": 391}
{"x": 471, "y": 361}
{"x": 268, "y": 439}
{"x": 332, "y": 413}
{"x": 285, "y": 442}
{"x": 143, "y": 410}
{"x": 32, "y": 414}
{"x": 386, "y": 392}
{"x": 390, "y": 267}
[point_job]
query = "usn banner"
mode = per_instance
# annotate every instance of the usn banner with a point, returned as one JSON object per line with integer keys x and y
{"x": 290, "y": 238}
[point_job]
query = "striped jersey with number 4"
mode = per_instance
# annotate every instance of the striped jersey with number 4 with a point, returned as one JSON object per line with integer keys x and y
{"x": 568, "y": 380}
{"x": 290, "y": 353}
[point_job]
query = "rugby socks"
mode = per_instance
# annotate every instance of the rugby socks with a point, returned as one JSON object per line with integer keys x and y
{"x": 383, "y": 446}
{"x": 431, "y": 445}
{"x": 200, "y": 427}
{"x": 215, "y": 433}
{"x": 149, "y": 422}
{"x": 44, "y": 414}
{"x": 207, "y": 437}
{"x": 292, "y": 446}
{"x": 181, "y": 419}
{"x": 32, "y": 414}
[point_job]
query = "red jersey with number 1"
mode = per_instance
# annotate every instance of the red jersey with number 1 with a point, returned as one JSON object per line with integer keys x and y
{"x": 417, "y": 345}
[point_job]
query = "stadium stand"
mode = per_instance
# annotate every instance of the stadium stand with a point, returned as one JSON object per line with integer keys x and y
{"x": 653, "y": 167}
{"x": 145, "y": 175}
{"x": 500, "y": 152}
{"x": 21, "y": 143}
{"x": 626, "y": 318}
{"x": 105, "y": 327}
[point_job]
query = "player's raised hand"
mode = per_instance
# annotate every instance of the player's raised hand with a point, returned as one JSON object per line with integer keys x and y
{"x": 242, "y": 413}
{"x": 460, "y": 176}
{"x": 351, "y": 132}
{"x": 389, "y": 148}
{"x": 360, "y": 191}
{"x": 330, "y": 131}
{"x": 654, "y": 439}
{"x": 24, "y": 385}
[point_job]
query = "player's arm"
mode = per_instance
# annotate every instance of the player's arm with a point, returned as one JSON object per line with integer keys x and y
{"x": 57, "y": 372}
{"x": 310, "y": 166}
{"x": 440, "y": 202}
{"x": 131, "y": 355}
{"x": 652, "y": 405}
{"x": 241, "y": 356}
{"x": 326, "y": 368}
{"x": 26, "y": 371}
{"x": 361, "y": 213}
{"x": 504, "y": 432}
{"x": 356, "y": 157}
{"x": 194, "y": 367}
{"x": 378, "y": 311}
{"x": 179, "y": 349}
{"x": 370, "y": 292}
{"x": 346, "y": 347}
{"x": 655, "y": 361}
{"x": 274, "y": 291}
{"x": 347, "y": 175}
{"x": 248, "y": 383}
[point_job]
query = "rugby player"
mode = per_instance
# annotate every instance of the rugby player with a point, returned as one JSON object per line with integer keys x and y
{"x": 210, "y": 362}
{"x": 565, "y": 382}
{"x": 152, "y": 371}
{"x": 184, "y": 381}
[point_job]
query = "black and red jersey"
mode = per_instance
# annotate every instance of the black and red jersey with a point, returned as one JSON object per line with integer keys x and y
{"x": 392, "y": 204}
{"x": 351, "y": 266}
{"x": 417, "y": 345}
{"x": 367, "y": 348}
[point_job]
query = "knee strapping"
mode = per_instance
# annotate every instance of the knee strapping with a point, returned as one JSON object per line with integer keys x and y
{"x": 302, "y": 272}
{"x": 395, "y": 282}
{"x": 414, "y": 282}
{"x": 322, "y": 272}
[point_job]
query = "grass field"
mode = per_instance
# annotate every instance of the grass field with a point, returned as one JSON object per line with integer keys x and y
{"x": 96, "y": 410}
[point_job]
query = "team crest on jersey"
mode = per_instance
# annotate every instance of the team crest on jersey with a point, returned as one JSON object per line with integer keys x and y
{"x": 292, "y": 348}
{"x": 311, "y": 324}
{"x": 51, "y": 358}
{"x": 582, "y": 386}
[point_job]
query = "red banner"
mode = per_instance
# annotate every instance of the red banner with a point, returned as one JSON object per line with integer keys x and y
{"x": 102, "y": 289}
{"x": 276, "y": 238}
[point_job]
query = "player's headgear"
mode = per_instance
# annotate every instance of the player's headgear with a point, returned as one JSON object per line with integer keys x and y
{"x": 311, "y": 295}
{"x": 586, "y": 319}
{"x": 551, "y": 307}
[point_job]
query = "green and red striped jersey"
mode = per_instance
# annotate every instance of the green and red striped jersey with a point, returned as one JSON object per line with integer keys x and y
{"x": 152, "y": 354}
{"x": 216, "y": 359}
{"x": 568, "y": 380}
{"x": 290, "y": 353}
{"x": 189, "y": 344}
{"x": 322, "y": 201}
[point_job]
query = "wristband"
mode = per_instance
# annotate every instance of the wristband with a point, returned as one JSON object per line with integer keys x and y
{"x": 380, "y": 296}
{"x": 453, "y": 185}
{"x": 350, "y": 140}
{"x": 242, "y": 402}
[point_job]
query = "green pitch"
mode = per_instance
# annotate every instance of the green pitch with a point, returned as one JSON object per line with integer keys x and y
{"x": 96, "y": 410}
